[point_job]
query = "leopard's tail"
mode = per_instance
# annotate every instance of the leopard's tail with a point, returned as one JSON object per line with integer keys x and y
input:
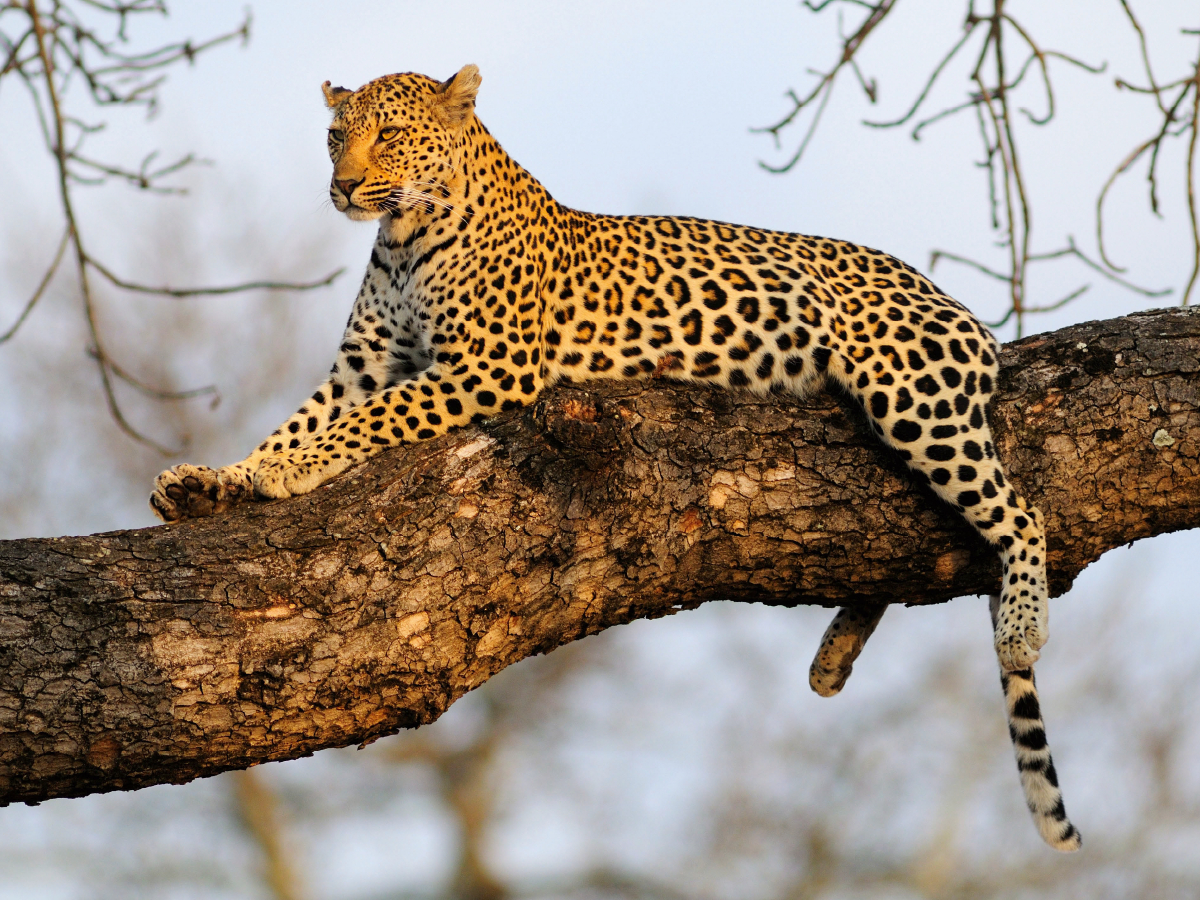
{"x": 1038, "y": 777}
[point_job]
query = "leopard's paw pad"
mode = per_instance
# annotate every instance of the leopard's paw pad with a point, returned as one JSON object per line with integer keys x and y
{"x": 189, "y": 492}
{"x": 185, "y": 491}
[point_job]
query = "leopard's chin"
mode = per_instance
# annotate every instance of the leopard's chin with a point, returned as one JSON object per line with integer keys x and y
{"x": 358, "y": 214}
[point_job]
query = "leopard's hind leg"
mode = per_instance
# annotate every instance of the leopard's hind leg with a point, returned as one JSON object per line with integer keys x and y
{"x": 937, "y": 422}
{"x": 842, "y": 642}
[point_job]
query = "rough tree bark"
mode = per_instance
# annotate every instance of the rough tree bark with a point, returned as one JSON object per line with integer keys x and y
{"x": 160, "y": 655}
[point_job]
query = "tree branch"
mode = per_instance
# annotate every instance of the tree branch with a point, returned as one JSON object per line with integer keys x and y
{"x": 160, "y": 655}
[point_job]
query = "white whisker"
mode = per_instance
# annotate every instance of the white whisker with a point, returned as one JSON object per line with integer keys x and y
{"x": 413, "y": 198}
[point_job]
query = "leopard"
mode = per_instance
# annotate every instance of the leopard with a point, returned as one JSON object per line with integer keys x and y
{"x": 482, "y": 289}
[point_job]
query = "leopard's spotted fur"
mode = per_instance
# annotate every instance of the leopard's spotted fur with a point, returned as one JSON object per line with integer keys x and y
{"x": 481, "y": 289}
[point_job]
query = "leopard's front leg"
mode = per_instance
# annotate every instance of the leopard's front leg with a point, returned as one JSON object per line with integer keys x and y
{"x": 429, "y": 404}
{"x": 371, "y": 354}
{"x": 189, "y": 491}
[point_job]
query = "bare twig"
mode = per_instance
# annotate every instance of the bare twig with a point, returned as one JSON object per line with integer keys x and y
{"x": 1078, "y": 292}
{"x": 1129, "y": 160}
{"x": 210, "y": 291}
{"x": 41, "y": 288}
{"x": 154, "y": 393}
{"x": 968, "y": 30}
{"x": 1174, "y": 124}
{"x": 1190, "y": 163}
{"x": 143, "y": 178}
{"x": 938, "y": 255}
{"x": 876, "y": 12}
{"x": 1107, "y": 271}
{"x": 97, "y": 350}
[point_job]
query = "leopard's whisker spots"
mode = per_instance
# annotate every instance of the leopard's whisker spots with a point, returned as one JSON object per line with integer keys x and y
{"x": 414, "y": 191}
{"x": 412, "y": 198}
{"x": 481, "y": 289}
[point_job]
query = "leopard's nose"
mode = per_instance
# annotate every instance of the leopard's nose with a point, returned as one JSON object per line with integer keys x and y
{"x": 347, "y": 187}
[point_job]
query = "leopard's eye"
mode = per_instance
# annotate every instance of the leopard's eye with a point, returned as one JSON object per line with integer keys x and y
{"x": 386, "y": 134}
{"x": 337, "y": 134}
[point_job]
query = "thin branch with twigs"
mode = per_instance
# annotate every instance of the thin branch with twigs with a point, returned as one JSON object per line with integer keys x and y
{"x": 41, "y": 288}
{"x": 991, "y": 99}
{"x": 54, "y": 45}
{"x": 1174, "y": 124}
{"x": 824, "y": 88}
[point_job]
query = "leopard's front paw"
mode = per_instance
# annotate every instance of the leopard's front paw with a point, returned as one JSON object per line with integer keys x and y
{"x": 278, "y": 477}
{"x": 190, "y": 492}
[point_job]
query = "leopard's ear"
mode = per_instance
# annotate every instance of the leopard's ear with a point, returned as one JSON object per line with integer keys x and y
{"x": 453, "y": 100}
{"x": 334, "y": 95}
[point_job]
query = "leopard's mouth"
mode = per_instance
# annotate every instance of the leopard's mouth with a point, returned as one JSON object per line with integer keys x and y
{"x": 361, "y": 213}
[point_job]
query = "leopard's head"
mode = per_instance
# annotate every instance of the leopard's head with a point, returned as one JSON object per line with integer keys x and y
{"x": 394, "y": 142}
